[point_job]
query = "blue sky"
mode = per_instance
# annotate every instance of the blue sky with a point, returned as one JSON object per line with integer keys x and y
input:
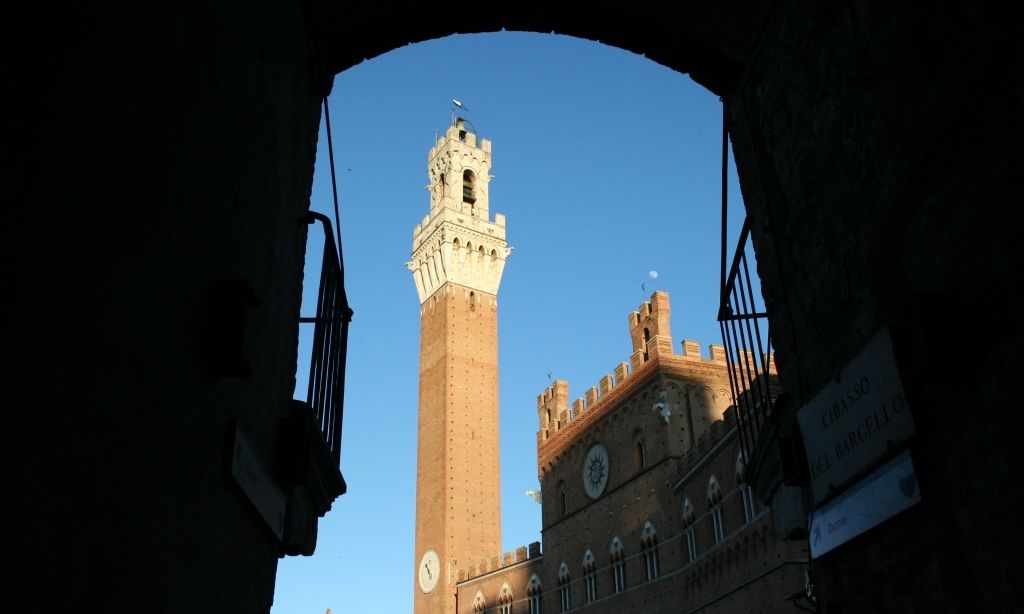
{"x": 607, "y": 166}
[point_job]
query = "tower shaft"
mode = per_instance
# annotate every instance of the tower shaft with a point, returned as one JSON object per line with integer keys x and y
{"x": 457, "y": 262}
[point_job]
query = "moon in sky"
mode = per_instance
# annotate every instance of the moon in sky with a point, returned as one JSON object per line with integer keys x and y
{"x": 653, "y": 274}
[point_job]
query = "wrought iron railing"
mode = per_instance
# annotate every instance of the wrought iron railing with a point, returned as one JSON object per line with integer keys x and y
{"x": 326, "y": 393}
{"x": 744, "y": 323}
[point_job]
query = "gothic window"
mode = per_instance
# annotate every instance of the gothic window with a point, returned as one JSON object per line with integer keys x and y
{"x": 649, "y": 544}
{"x": 715, "y": 503}
{"x": 641, "y": 454}
{"x": 479, "y": 603}
{"x": 590, "y": 576}
{"x": 747, "y": 493}
{"x": 468, "y": 187}
{"x": 564, "y": 594}
{"x": 533, "y": 592}
{"x": 690, "y": 531}
{"x": 647, "y": 337}
{"x": 505, "y": 599}
{"x": 618, "y": 557}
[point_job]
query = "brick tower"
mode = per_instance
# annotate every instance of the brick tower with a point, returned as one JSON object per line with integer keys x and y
{"x": 457, "y": 260}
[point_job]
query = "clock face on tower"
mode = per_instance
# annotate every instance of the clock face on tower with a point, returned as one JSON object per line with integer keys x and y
{"x": 595, "y": 471}
{"x": 430, "y": 570}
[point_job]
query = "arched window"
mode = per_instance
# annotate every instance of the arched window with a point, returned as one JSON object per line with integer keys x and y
{"x": 564, "y": 593}
{"x": 590, "y": 576}
{"x": 649, "y": 544}
{"x": 505, "y": 599}
{"x": 691, "y": 535}
{"x": 746, "y": 492}
{"x": 641, "y": 454}
{"x": 533, "y": 592}
{"x": 468, "y": 187}
{"x": 647, "y": 337}
{"x": 715, "y": 504}
{"x": 479, "y": 603}
{"x": 618, "y": 557}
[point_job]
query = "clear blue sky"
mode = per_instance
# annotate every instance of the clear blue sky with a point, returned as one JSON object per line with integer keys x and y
{"x": 607, "y": 166}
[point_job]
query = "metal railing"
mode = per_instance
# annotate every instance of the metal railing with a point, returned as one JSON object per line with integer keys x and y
{"x": 752, "y": 376}
{"x": 326, "y": 393}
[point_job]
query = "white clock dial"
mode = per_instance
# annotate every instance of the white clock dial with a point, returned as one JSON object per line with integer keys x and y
{"x": 595, "y": 471}
{"x": 430, "y": 571}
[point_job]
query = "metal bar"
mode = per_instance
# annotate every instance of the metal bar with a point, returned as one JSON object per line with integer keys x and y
{"x": 330, "y": 340}
{"x": 765, "y": 392}
{"x": 725, "y": 185}
{"x": 747, "y": 356}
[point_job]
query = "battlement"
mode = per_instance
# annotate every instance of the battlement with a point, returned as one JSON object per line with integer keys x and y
{"x": 652, "y": 343}
{"x": 459, "y": 132}
{"x": 508, "y": 559}
{"x": 555, "y": 413}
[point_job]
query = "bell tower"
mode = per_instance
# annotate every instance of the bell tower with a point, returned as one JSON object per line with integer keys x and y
{"x": 458, "y": 255}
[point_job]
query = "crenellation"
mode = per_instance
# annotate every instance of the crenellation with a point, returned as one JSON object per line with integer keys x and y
{"x": 621, "y": 372}
{"x": 507, "y": 559}
{"x": 606, "y": 384}
{"x": 533, "y": 550}
{"x": 591, "y": 396}
{"x": 691, "y": 349}
{"x": 660, "y": 346}
{"x": 717, "y": 353}
{"x": 552, "y": 403}
{"x": 636, "y": 360}
{"x": 578, "y": 406}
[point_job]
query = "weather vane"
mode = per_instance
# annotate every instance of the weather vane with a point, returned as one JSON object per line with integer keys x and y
{"x": 461, "y": 105}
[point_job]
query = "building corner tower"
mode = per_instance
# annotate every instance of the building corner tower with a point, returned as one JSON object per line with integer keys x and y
{"x": 457, "y": 260}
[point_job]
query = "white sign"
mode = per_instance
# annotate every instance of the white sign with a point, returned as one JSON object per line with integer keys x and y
{"x": 854, "y": 420}
{"x": 878, "y": 497}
